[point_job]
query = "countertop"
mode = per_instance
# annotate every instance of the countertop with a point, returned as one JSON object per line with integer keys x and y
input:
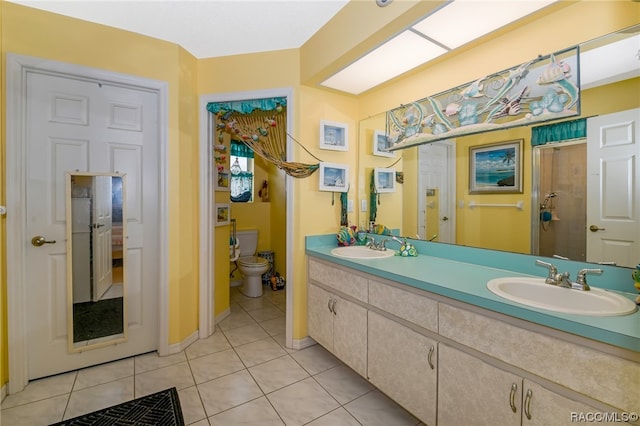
{"x": 466, "y": 282}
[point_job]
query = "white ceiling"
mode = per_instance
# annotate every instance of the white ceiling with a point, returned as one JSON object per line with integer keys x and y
{"x": 207, "y": 28}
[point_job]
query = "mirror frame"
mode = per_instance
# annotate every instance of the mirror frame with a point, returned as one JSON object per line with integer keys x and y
{"x": 107, "y": 340}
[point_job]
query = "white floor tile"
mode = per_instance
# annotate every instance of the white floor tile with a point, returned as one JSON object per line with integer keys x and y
{"x": 41, "y": 389}
{"x": 153, "y": 361}
{"x": 212, "y": 366}
{"x": 258, "y": 412}
{"x": 302, "y": 402}
{"x": 191, "y": 405}
{"x": 260, "y": 351}
{"x": 247, "y": 334}
{"x": 316, "y": 359}
{"x": 227, "y": 392}
{"x": 215, "y": 343}
{"x": 98, "y": 397}
{"x": 266, "y": 313}
{"x": 375, "y": 409}
{"x": 38, "y": 413}
{"x": 343, "y": 383}
{"x": 176, "y": 375}
{"x": 277, "y": 373}
{"x": 275, "y": 326}
{"x": 339, "y": 417}
{"x": 104, "y": 373}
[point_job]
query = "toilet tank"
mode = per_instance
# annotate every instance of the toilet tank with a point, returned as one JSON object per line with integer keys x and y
{"x": 248, "y": 240}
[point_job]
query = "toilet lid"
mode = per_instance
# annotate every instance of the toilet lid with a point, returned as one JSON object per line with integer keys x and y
{"x": 253, "y": 261}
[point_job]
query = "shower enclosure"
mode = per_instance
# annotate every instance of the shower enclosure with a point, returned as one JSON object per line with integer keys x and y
{"x": 559, "y": 200}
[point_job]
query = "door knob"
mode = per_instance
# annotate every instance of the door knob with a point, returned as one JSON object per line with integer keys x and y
{"x": 594, "y": 228}
{"x": 39, "y": 240}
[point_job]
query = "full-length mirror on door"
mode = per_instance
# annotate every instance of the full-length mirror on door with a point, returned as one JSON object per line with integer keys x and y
{"x": 96, "y": 261}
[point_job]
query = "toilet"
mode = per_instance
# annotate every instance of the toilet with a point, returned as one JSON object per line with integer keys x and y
{"x": 251, "y": 267}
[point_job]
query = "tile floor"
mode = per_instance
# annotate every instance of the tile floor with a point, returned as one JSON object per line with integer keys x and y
{"x": 241, "y": 375}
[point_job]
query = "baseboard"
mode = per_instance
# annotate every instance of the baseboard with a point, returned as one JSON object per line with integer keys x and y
{"x": 303, "y": 343}
{"x": 223, "y": 315}
{"x": 181, "y": 346}
{"x": 3, "y": 392}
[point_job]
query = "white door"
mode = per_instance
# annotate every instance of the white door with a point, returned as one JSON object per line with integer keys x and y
{"x": 436, "y": 177}
{"x": 88, "y": 126}
{"x": 102, "y": 239}
{"x": 613, "y": 188}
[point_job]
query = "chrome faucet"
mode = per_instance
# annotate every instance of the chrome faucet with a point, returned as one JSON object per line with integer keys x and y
{"x": 563, "y": 279}
{"x": 377, "y": 246}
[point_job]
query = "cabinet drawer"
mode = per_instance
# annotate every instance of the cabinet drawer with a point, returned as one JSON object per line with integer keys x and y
{"x": 342, "y": 280}
{"x": 407, "y": 305}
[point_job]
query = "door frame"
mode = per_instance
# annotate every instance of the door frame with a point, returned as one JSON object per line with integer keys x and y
{"x": 17, "y": 68}
{"x": 207, "y": 208}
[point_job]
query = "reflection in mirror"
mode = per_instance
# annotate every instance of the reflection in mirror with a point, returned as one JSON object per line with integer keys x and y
{"x": 96, "y": 284}
{"x": 381, "y": 207}
{"x": 430, "y": 180}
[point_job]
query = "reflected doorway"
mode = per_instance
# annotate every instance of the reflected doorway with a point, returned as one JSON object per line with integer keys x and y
{"x": 561, "y": 192}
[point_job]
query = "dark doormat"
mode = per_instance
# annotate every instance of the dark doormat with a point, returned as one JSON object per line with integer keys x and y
{"x": 159, "y": 409}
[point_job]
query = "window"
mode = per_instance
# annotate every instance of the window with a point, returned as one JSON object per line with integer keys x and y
{"x": 241, "y": 184}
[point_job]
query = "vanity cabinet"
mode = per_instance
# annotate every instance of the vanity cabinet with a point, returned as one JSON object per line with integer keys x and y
{"x": 340, "y": 326}
{"x": 473, "y": 392}
{"x": 404, "y": 365}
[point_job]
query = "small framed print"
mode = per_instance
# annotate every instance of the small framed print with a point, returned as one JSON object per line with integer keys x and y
{"x": 222, "y": 179}
{"x": 381, "y": 144}
{"x": 333, "y": 136}
{"x": 334, "y": 177}
{"x": 384, "y": 179}
{"x": 222, "y": 214}
{"x": 496, "y": 168}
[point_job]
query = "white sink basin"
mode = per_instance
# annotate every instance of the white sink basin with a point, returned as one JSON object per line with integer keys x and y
{"x": 361, "y": 252}
{"x": 536, "y": 293}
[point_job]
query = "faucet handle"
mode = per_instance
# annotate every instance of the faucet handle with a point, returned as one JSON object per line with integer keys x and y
{"x": 582, "y": 276}
{"x": 552, "y": 278}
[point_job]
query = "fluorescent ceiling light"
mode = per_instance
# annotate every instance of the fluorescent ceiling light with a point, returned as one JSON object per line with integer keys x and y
{"x": 610, "y": 63}
{"x": 402, "y": 53}
{"x": 462, "y": 21}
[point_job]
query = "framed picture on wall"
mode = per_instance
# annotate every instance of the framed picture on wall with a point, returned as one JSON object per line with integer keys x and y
{"x": 222, "y": 214}
{"x": 222, "y": 179}
{"x": 381, "y": 144}
{"x": 334, "y": 177}
{"x": 496, "y": 168}
{"x": 333, "y": 136}
{"x": 384, "y": 179}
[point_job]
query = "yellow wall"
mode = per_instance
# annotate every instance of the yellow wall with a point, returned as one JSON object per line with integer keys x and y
{"x": 32, "y": 32}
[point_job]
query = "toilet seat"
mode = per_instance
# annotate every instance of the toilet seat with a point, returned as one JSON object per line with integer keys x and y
{"x": 253, "y": 262}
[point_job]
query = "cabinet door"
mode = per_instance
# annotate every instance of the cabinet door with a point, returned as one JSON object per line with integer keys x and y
{"x": 350, "y": 334}
{"x": 319, "y": 316}
{"x": 403, "y": 365}
{"x": 472, "y": 392}
{"x": 543, "y": 407}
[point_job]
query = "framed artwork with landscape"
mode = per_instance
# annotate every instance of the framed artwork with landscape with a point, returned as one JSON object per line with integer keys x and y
{"x": 496, "y": 168}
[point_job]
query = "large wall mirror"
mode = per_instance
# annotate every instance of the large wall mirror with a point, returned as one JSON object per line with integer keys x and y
{"x": 434, "y": 202}
{"x": 96, "y": 261}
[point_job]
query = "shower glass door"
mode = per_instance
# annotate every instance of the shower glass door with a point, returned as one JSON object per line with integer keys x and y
{"x": 560, "y": 200}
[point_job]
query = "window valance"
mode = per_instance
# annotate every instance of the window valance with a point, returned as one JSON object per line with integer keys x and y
{"x": 566, "y": 130}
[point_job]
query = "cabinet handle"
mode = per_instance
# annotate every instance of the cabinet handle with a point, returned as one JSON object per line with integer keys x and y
{"x": 527, "y": 404}
{"x": 430, "y": 356}
{"x": 512, "y": 397}
{"x": 333, "y": 307}
{"x": 329, "y": 304}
